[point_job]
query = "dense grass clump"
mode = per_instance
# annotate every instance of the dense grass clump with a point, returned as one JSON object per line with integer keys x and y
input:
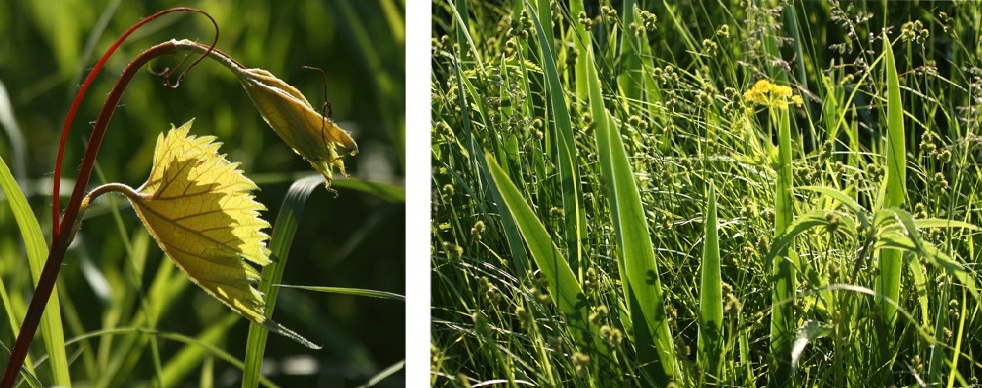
{"x": 730, "y": 193}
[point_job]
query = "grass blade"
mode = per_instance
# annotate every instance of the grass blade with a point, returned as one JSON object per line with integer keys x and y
{"x": 351, "y": 291}
{"x": 190, "y": 357}
{"x": 391, "y": 370}
{"x": 629, "y": 77}
{"x": 639, "y": 272}
{"x": 37, "y": 251}
{"x": 279, "y": 245}
{"x": 892, "y": 196}
{"x": 583, "y": 44}
{"x": 565, "y": 159}
{"x": 783, "y": 286}
{"x": 711, "y": 295}
{"x": 563, "y": 286}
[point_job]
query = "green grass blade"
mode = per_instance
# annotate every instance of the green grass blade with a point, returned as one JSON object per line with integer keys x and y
{"x": 385, "y": 191}
{"x": 52, "y": 333}
{"x": 464, "y": 38}
{"x": 799, "y": 226}
{"x": 854, "y": 207}
{"x": 384, "y": 374}
{"x": 929, "y": 223}
{"x": 629, "y": 77}
{"x": 639, "y": 277}
{"x": 891, "y": 261}
{"x": 710, "y": 296}
{"x": 566, "y": 158}
{"x": 205, "y": 344}
{"x": 207, "y": 377}
{"x": 582, "y": 45}
{"x": 279, "y": 245}
{"x": 563, "y": 286}
{"x": 908, "y": 230}
{"x": 351, "y": 291}
{"x": 783, "y": 284}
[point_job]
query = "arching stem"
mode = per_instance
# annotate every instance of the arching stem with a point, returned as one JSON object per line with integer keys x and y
{"x": 63, "y": 229}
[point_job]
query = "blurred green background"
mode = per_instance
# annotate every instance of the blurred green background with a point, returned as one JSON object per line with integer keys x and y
{"x": 352, "y": 240}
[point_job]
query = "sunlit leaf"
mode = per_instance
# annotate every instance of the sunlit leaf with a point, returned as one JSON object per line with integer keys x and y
{"x": 199, "y": 208}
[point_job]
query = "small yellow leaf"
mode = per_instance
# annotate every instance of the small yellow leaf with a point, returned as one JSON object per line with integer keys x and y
{"x": 198, "y": 207}
{"x": 291, "y": 116}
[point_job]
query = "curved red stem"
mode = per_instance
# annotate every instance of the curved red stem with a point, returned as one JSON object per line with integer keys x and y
{"x": 56, "y": 189}
{"x": 62, "y": 232}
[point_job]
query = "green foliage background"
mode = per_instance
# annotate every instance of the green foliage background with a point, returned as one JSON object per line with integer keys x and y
{"x": 46, "y": 49}
{"x": 573, "y": 140}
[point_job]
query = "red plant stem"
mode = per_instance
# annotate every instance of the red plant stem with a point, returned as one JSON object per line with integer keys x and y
{"x": 55, "y": 192}
{"x": 49, "y": 274}
{"x": 63, "y": 232}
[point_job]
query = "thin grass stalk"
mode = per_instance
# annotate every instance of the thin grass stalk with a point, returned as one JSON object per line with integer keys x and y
{"x": 188, "y": 359}
{"x": 583, "y": 44}
{"x": 792, "y": 22}
{"x": 475, "y": 156}
{"x": 639, "y": 272}
{"x": 565, "y": 158}
{"x": 629, "y": 74}
{"x": 960, "y": 334}
{"x": 783, "y": 283}
{"x": 710, "y": 348}
{"x": 459, "y": 8}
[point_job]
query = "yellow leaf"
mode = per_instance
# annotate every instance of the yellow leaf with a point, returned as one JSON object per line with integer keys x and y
{"x": 291, "y": 116}
{"x": 198, "y": 207}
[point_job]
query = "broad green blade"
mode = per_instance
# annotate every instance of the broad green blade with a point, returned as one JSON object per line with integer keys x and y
{"x": 279, "y": 245}
{"x": 563, "y": 286}
{"x": 710, "y": 294}
{"x": 893, "y": 195}
{"x": 844, "y": 198}
{"x": 639, "y": 272}
{"x": 783, "y": 269}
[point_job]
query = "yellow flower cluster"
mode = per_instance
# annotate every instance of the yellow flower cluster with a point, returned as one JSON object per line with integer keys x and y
{"x": 772, "y": 96}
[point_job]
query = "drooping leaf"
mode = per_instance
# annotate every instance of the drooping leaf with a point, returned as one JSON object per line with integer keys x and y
{"x": 199, "y": 208}
{"x": 291, "y": 116}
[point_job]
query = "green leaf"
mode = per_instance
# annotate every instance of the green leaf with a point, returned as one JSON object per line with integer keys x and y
{"x": 639, "y": 271}
{"x": 562, "y": 284}
{"x": 928, "y": 223}
{"x": 566, "y": 158}
{"x": 843, "y": 198}
{"x": 783, "y": 268}
{"x": 894, "y": 192}
{"x": 287, "y": 222}
{"x": 710, "y": 294}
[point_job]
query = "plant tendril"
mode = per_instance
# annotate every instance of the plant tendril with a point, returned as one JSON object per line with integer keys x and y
{"x": 326, "y": 106}
{"x": 69, "y": 118}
